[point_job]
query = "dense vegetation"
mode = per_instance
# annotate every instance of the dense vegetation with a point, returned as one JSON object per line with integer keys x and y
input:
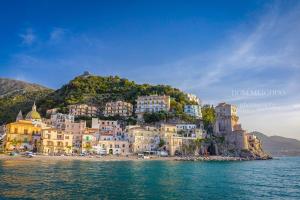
{"x": 99, "y": 90}
{"x": 18, "y": 95}
{"x": 209, "y": 118}
{"x": 90, "y": 89}
{"x": 11, "y": 105}
{"x": 151, "y": 118}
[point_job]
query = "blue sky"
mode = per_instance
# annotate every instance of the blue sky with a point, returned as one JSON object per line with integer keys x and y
{"x": 241, "y": 52}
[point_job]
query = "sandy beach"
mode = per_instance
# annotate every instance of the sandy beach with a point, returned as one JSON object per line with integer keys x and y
{"x": 115, "y": 158}
{"x": 83, "y": 158}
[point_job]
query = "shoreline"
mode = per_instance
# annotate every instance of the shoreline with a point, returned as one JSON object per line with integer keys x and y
{"x": 116, "y": 158}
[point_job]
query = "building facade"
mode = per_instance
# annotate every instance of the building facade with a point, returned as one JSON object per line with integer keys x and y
{"x": 77, "y": 129}
{"x": 152, "y": 103}
{"x": 52, "y": 111}
{"x": 227, "y": 126}
{"x": 59, "y": 120}
{"x": 83, "y": 110}
{"x": 20, "y": 134}
{"x": 194, "y": 98}
{"x": 143, "y": 138}
{"x": 120, "y": 108}
{"x": 193, "y": 110}
{"x": 112, "y": 146}
{"x": 226, "y": 119}
{"x": 54, "y": 141}
{"x": 107, "y": 126}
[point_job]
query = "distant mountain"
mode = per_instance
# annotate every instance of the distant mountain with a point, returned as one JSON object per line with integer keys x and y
{"x": 18, "y": 95}
{"x": 279, "y": 146}
{"x": 10, "y": 87}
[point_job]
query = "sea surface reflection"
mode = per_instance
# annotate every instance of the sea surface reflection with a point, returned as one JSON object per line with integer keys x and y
{"x": 274, "y": 179}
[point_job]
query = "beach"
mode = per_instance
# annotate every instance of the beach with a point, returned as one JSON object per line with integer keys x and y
{"x": 116, "y": 158}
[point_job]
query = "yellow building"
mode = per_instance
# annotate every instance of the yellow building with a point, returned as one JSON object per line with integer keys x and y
{"x": 54, "y": 141}
{"x": 167, "y": 130}
{"x": 19, "y": 135}
{"x": 143, "y": 138}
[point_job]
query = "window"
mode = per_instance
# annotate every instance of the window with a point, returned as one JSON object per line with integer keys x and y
{"x": 25, "y": 131}
{"x": 16, "y": 130}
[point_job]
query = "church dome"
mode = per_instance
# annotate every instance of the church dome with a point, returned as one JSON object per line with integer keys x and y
{"x": 33, "y": 114}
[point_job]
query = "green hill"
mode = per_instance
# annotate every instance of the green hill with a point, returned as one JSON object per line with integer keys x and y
{"x": 89, "y": 89}
{"x": 18, "y": 95}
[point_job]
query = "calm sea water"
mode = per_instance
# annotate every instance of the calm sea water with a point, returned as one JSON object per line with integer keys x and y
{"x": 274, "y": 179}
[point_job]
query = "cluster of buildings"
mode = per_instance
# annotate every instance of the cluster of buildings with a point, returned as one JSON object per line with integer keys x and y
{"x": 61, "y": 134}
{"x": 144, "y": 104}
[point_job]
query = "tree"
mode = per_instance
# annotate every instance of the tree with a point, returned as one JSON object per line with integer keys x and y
{"x": 209, "y": 118}
{"x": 161, "y": 143}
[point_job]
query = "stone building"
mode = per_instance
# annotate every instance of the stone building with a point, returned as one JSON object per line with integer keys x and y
{"x": 120, "y": 108}
{"x": 227, "y": 126}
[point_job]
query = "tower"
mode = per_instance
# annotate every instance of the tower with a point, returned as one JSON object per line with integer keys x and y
{"x": 19, "y": 116}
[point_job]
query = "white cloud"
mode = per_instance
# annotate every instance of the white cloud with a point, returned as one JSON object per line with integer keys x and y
{"x": 28, "y": 38}
{"x": 57, "y": 34}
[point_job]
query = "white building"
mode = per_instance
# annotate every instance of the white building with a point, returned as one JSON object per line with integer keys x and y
{"x": 185, "y": 126}
{"x": 152, "y": 103}
{"x": 61, "y": 118}
{"x": 193, "y": 110}
{"x": 194, "y": 98}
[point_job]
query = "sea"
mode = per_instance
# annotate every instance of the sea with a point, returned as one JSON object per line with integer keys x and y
{"x": 271, "y": 179}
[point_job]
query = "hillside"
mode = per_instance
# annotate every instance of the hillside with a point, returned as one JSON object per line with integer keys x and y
{"x": 90, "y": 89}
{"x": 18, "y": 95}
{"x": 10, "y": 87}
{"x": 279, "y": 146}
{"x": 98, "y": 90}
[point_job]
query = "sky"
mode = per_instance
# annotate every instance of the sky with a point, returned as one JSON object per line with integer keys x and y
{"x": 245, "y": 53}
